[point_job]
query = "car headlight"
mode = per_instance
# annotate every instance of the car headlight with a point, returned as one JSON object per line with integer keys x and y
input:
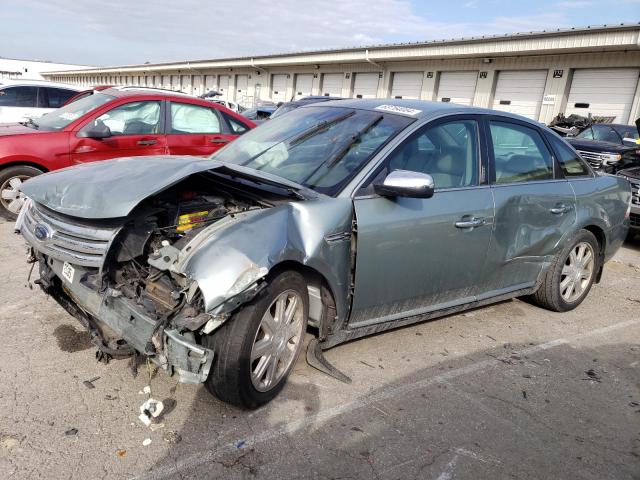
{"x": 609, "y": 158}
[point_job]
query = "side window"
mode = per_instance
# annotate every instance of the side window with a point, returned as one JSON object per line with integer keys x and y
{"x": 187, "y": 118}
{"x": 56, "y": 96}
{"x": 24, "y": 97}
{"x": 605, "y": 133}
{"x": 570, "y": 162}
{"x": 237, "y": 127}
{"x": 136, "y": 118}
{"x": 520, "y": 154}
{"x": 447, "y": 151}
{"x": 588, "y": 134}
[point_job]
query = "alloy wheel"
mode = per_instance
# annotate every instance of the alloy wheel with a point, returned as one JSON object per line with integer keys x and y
{"x": 577, "y": 272}
{"x": 11, "y": 197}
{"x": 277, "y": 340}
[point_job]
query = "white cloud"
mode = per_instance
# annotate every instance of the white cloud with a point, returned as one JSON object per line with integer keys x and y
{"x": 159, "y": 30}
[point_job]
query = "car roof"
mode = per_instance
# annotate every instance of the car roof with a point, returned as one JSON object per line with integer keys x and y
{"x": 420, "y": 109}
{"x": 128, "y": 91}
{"x": 37, "y": 83}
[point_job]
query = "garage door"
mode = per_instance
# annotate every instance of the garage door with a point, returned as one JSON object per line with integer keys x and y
{"x": 242, "y": 81}
{"x": 175, "y": 82}
{"x": 457, "y": 87}
{"x": 223, "y": 85}
{"x": 520, "y": 92}
{"x": 197, "y": 85}
{"x": 406, "y": 85}
{"x": 332, "y": 84}
{"x": 279, "y": 88}
{"x": 304, "y": 83}
{"x": 603, "y": 91}
{"x": 365, "y": 85}
{"x": 209, "y": 83}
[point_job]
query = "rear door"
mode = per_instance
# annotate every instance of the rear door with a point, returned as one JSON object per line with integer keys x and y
{"x": 534, "y": 206}
{"x": 195, "y": 129}
{"x": 416, "y": 255}
{"x": 137, "y": 128}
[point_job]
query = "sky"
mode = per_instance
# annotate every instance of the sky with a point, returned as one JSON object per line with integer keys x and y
{"x": 121, "y": 32}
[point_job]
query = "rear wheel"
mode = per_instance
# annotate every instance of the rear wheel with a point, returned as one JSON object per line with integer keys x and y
{"x": 11, "y": 198}
{"x": 571, "y": 275}
{"x": 256, "y": 350}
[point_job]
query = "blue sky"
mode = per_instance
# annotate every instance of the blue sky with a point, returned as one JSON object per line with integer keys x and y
{"x": 119, "y": 32}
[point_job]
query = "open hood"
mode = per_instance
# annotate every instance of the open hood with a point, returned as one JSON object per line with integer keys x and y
{"x": 113, "y": 188}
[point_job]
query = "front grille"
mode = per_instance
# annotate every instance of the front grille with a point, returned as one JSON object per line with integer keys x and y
{"x": 635, "y": 191}
{"x": 65, "y": 239}
{"x": 595, "y": 159}
{"x": 635, "y": 220}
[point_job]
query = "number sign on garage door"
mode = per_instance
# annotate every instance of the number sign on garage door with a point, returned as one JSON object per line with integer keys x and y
{"x": 457, "y": 87}
{"x": 365, "y": 85}
{"x": 603, "y": 91}
{"x": 332, "y": 84}
{"x": 304, "y": 83}
{"x": 406, "y": 85}
{"x": 520, "y": 92}
{"x": 279, "y": 88}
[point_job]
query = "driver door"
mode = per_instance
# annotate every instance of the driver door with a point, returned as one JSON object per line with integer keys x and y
{"x": 136, "y": 129}
{"x": 416, "y": 255}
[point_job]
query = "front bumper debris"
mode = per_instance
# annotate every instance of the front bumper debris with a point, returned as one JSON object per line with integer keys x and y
{"x": 106, "y": 311}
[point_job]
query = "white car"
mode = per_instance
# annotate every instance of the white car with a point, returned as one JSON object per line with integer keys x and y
{"x": 24, "y": 99}
{"x": 226, "y": 103}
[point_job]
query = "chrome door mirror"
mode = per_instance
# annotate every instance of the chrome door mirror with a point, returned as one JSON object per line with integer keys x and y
{"x": 403, "y": 183}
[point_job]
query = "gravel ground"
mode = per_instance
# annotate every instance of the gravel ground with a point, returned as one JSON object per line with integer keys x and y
{"x": 506, "y": 391}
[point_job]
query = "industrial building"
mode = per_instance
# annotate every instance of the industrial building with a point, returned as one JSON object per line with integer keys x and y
{"x": 18, "y": 69}
{"x": 593, "y": 70}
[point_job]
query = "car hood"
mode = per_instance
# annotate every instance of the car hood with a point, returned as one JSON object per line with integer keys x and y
{"x": 113, "y": 188}
{"x": 7, "y": 129}
{"x": 597, "y": 145}
{"x": 633, "y": 172}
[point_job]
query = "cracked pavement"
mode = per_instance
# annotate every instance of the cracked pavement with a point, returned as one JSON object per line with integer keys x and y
{"x": 505, "y": 391}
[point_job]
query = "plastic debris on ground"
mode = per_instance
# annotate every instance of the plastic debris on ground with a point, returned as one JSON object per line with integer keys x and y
{"x": 146, "y": 442}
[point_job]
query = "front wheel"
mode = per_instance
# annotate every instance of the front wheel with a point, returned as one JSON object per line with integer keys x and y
{"x": 11, "y": 198}
{"x": 256, "y": 349}
{"x": 570, "y": 277}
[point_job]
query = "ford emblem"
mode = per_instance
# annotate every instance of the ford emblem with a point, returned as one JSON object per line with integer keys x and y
{"x": 41, "y": 232}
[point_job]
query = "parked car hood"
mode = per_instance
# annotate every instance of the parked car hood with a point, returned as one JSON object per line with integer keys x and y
{"x": 633, "y": 172}
{"x": 17, "y": 129}
{"x": 597, "y": 145}
{"x": 113, "y": 188}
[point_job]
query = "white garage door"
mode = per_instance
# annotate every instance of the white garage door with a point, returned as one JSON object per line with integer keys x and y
{"x": 197, "y": 85}
{"x": 603, "y": 91}
{"x": 406, "y": 85}
{"x": 279, "y": 88}
{"x": 242, "y": 82}
{"x": 209, "y": 83}
{"x": 457, "y": 87}
{"x": 332, "y": 84}
{"x": 304, "y": 83}
{"x": 365, "y": 85}
{"x": 520, "y": 92}
{"x": 175, "y": 82}
{"x": 223, "y": 86}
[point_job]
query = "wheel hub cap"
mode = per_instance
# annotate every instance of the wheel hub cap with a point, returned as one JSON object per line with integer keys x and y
{"x": 10, "y": 195}
{"x": 577, "y": 272}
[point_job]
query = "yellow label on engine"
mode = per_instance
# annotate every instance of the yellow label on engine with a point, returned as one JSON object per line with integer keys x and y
{"x": 190, "y": 220}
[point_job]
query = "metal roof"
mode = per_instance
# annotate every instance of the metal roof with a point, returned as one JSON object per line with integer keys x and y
{"x": 469, "y": 47}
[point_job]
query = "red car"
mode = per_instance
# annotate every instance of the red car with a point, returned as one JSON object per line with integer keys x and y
{"x": 116, "y": 122}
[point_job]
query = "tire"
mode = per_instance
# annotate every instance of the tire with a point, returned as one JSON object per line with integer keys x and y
{"x": 553, "y": 293}
{"x": 10, "y": 180}
{"x": 237, "y": 379}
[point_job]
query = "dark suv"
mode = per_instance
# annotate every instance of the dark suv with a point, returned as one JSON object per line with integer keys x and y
{"x": 608, "y": 146}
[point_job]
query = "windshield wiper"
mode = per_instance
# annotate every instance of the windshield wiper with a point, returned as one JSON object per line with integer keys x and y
{"x": 31, "y": 122}
{"x": 322, "y": 126}
{"x": 331, "y": 162}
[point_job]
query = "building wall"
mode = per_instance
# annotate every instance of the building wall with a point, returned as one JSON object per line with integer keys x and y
{"x": 31, "y": 70}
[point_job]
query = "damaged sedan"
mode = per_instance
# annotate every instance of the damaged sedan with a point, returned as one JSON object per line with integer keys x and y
{"x": 348, "y": 218}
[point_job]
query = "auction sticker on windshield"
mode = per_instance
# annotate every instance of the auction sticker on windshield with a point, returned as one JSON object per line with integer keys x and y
{"x": 397, "y": 109}
{"x": 67, "y": 272}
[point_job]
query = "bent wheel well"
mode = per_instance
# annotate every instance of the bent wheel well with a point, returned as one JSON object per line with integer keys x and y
{"x": 602, "y": 241}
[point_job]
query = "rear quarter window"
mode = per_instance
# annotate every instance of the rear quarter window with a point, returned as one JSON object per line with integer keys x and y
{"x": 570, "y": 162}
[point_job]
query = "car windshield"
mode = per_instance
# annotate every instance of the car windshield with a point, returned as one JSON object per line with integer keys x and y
{"x": 321, "y": 148}
{"x": 60, "y": 118}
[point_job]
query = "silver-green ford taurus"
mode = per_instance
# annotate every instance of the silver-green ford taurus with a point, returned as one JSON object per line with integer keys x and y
{"x": 350, "y": 217}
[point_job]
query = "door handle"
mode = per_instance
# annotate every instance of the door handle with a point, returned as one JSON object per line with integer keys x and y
{"x": 471, "y": 223}
{"x": 147, "y": 142}
{"x": 219, "y": 140}
{"x": 560, "y": 209}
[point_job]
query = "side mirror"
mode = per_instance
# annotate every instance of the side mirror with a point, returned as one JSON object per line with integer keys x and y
{"x": 403, "y": 183}
{"x": 97, "y": 130}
